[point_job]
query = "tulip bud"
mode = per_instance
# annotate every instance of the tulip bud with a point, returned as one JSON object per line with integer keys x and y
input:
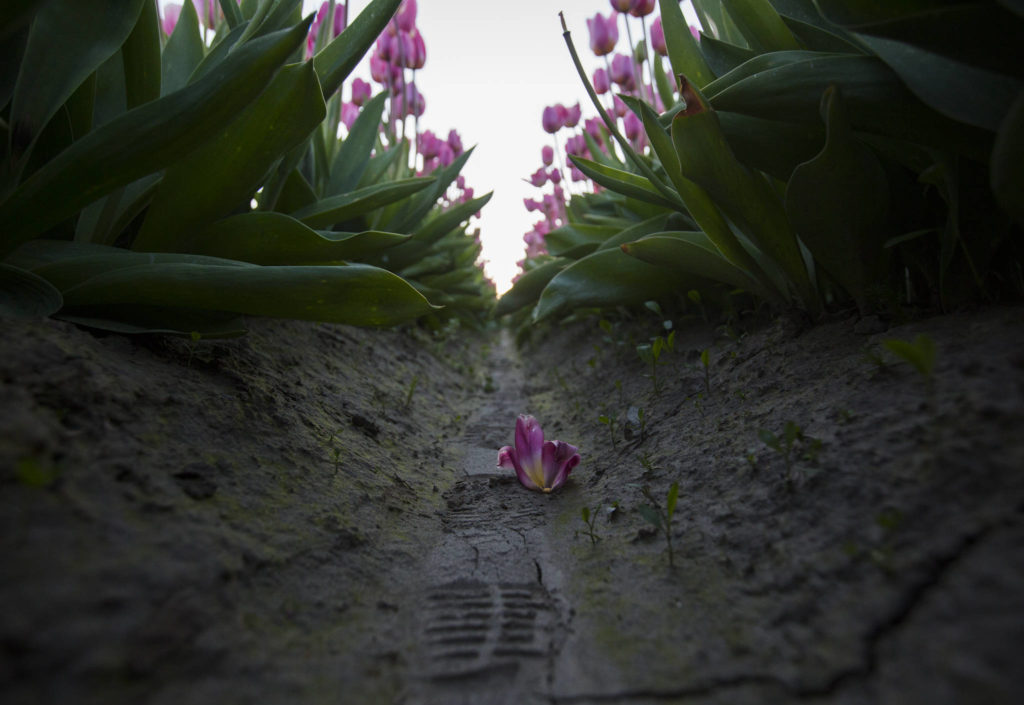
{"x": 172, "y": 11}
{"x": 349, "y": 113}
{"x": 604, "y": 34}
{"x": 455, "y": 142}
{"x": 641, "y": 8}
{"x": 632, "y": 126}
{"x": 555, "y": 175}
{"x": 547, "y": 155}
{"x": 658, "y": 37}
{"x": 551, "y": 120}
{"x": 419, "y": 51}
{"x": 573, "y": 116}
{"x": 622, "y": 70}
{"x": 445, "y": 155}
{"x": 618, "y": 107}
{"x": 621, "y": 5}
{"x": 361, "y": 91}
{"x": 600, "y": 80}
{"x": 406, "y": 16}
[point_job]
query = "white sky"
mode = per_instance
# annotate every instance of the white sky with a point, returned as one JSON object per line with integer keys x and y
{"x": 491, "y": 69}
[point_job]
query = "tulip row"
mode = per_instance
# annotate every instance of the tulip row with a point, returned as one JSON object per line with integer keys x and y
{"x": 809, "y": 155}
{"x": 186, "y": 181}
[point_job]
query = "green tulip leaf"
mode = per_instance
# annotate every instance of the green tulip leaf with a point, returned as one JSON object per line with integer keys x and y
{"x": 527, "y": 289}
{"x": 568, "y": 239}
{"x": 693, "y": 254}
{"x": 278, "y": 239}
{"x": 24, "y": 294}
{"x": 165, "y": 320}
{"x": 184, "y": 51}
{"x": 724, "y": 57}
{"x": 878, "y": 101}
{"x": 838, "y": 203}
{"x": 1007, "y": 171}
{"x": 957, "y": 90}
{"x": 622, "y": 182}
{"x": 68, "y": 41}
{"x": 326, "y": 212}
{"x": 212, "y": 181}
{"x": 684, "y": 53}
{"x": 761, "y": 25}
{"x": 744, "y": 196}
{"x": 143, "y": 140}
{"x": 606, "y": 278}
{"x": 336, "y": 60}
{"x": 140, "y": 56}
{"x": 353, "y": 294}
{"x": 352, "y": 159}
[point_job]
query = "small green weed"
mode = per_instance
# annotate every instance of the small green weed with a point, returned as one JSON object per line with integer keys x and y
{"x": 589, "y": 517}
{"x": 792, "y": 435}
{"x": 650, "y": 353}
{"x": 661, "y": 517}
{"x": 609, "y": 421}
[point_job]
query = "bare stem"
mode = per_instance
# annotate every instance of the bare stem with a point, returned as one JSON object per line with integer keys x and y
{"x": 667, "y": 192}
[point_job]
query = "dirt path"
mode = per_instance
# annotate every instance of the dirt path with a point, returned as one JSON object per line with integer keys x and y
{"x": 312, "y": 514}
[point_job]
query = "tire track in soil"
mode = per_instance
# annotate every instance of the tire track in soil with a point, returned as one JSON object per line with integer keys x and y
{"x": 490, "y": 612}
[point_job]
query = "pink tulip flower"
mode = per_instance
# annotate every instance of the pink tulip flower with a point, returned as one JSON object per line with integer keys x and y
{"x": 403, "y": 53}
{"x": 573, "y": 116}
{"x": 410, "y": 102}
{"x": 209, "y": 12}
{"x": 547, "y": 155}
{"x": 619, "y": 108}
{"x": 621, "y": 5}
{"x": 361, "y": 91}
{"x": 604, "y": 34}
{"x": 658, "y": 38}
{"x": 540, "y": 465}
{"x": 419, "y": 50}
{"x": 445, "y": 154}
{"x": 555, "y": 176}
{"x": 172, "y": 11}
{"x": 600, "y": 80}
{"x": 632, "y": 127}
{"x": 531, "y": 204}
{"x": 385, "y": 48}
{"x": 406, "y": 16}
{"x": 594, "y": 128}
{"x": 641, "y": 8}
{"x": 455, "y": 142}
{"x": 577, "y": 175}
{"x": 349, "y": 113}
{"x": 622, "y": 70}
{"x": 539, "y": 177}
{"x": 551, "y": 120}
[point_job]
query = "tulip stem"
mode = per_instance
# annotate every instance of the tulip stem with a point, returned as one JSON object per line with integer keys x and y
{"x": 667, "y": 192}
{"x": 648, "y": 57}
{"x": 638, "y": 84}
{"x": 561, "y": 163}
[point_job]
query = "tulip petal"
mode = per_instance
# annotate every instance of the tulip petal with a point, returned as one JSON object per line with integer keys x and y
{"x": 559, "y": 460}
{"x": 507, "y": 458}
{"x": 530, "y": 448}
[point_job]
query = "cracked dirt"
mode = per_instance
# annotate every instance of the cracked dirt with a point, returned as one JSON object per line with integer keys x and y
{"x": 311, "y": 514}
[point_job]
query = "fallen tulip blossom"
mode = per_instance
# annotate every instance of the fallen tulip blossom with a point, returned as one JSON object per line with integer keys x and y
{"x": 540, "y": 465}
